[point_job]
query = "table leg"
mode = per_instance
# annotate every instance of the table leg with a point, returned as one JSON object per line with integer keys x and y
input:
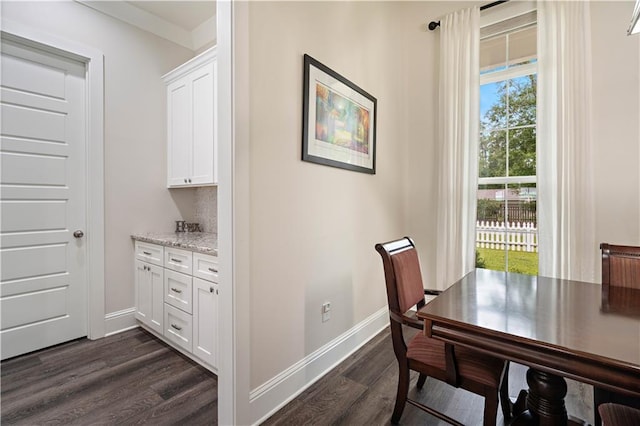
{"x": 546, "y": 397}
{"x": 544, "y": 401}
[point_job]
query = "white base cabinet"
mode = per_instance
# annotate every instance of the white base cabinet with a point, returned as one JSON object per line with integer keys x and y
{"x": 149, "y": 295}
{"x": 149, "y": 285}
{"x": 177, "y": 297}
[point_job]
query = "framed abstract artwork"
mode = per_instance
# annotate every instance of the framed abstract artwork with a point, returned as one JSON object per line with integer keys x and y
{"x": 339, "y": 120}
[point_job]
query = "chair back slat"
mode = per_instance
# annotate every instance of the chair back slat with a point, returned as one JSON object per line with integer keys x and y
{"x": 620, "y": 266}
{"x": 408, "y": 278}
{"x": 624, "y": 272}
{"x": 402, "y": 274}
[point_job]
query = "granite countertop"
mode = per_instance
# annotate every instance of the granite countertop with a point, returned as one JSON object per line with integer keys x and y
{"x": 201, "y": 242}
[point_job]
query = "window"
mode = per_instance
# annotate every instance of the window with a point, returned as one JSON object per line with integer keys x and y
{"x": 506, "y": 229}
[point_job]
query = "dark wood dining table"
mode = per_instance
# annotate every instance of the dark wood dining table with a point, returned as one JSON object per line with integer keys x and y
{"x": 558, "y": 328}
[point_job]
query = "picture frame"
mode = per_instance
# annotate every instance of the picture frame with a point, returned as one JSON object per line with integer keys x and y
{"x": 339, "y": 120}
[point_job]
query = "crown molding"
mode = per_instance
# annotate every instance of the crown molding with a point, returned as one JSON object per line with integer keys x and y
{"x": 205, "y": 33}
{"x": 194, "y": 40}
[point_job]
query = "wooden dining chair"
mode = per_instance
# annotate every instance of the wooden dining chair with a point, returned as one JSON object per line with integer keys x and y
{"x": 620, "y": 270}
{"x": 619, "y": 415}
{"x": 458, "y": 366}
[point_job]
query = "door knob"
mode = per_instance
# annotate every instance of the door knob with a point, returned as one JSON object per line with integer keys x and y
{"x": 78, "y": 234}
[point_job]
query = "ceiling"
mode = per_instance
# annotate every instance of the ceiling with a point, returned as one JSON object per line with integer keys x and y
{"x": 189, "y": 23}
{"x": 186, "y": 14}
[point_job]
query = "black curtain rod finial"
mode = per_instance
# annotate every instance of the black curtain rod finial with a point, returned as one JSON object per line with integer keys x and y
{"x": 433, "y": 25}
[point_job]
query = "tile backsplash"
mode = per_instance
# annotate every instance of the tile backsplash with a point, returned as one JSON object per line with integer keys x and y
{"x": 207, "y": 208}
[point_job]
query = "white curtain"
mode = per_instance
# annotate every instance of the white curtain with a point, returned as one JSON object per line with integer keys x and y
{"x": 565, "y": 185}
{"x": 458, "y": 144}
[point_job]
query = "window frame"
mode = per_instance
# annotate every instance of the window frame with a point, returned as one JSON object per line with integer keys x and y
{"x": 507, "y": 182}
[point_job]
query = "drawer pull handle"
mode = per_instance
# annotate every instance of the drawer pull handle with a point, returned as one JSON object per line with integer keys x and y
{"x": 214, "y": 270}
{"x": 176, "y": 290}
{"x": 147, "y": 253}
{"x": 176, "y": 260}
{"x": 176, "y": 327}
{"x": 210, "y": 289}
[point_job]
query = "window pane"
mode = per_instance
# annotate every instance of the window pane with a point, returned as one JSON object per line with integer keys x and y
{"x": 492, "y": 105}
{"x": 522, "y": 203}
{"x": 522, "y": 101}
{"x": 490, "y": 230}
{"x": 522, "y": 232}
{"x": 491, "y": 203}
{"x": 492, "y": 158}
{"x": 522, "y": 152}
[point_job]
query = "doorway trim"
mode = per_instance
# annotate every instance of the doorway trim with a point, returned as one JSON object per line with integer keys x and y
{"x": 234, "y": 371}
{"x": 94, "y": 134}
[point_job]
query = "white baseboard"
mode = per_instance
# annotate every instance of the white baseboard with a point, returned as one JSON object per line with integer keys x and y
{"x": 274, "y": 394}
{"x": 117, "y": 322}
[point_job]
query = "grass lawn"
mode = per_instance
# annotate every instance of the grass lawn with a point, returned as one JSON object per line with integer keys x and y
{"x": 519, "y": 261}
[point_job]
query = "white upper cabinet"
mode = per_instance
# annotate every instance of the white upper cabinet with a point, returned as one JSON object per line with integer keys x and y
{"x": 192, "y": 122}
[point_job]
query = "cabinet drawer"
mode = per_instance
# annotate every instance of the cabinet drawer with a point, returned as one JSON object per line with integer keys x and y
{"x": 177, "y": 290}
{"x": 150, "y": 253}
{"x": 205, "y": 266}
{"x": 178, "y": 260}
{"x": 178, "y": 327}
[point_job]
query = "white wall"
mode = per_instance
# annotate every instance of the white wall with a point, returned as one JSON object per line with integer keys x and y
{"x": 136, "y": 198}
{"x": 313, "y": 228}
{"x": 616, "y": 123}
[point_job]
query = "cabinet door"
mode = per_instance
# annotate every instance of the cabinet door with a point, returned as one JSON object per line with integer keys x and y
{"x": 143, "y": 292}
{"x": 205, "y": 321}
{"x": 149, "y": 295}
{"x": 202, "y": 92}
{"x": 157, "y": 297}
{"x": 179, "y": 133}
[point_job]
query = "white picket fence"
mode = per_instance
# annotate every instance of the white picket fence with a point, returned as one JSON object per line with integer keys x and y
{"x": 515, "y": 235}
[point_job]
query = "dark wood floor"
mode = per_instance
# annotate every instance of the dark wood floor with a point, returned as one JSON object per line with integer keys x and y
{"x": 362, "y": 389}
{"x": 133, "y": 378}
{"x": 129, "y": 378}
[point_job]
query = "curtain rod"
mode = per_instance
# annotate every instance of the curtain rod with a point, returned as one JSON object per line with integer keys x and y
{"x": 435, "y": 24}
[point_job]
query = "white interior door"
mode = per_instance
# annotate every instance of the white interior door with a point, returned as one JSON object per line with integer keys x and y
{"x": 43, "y": 290}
